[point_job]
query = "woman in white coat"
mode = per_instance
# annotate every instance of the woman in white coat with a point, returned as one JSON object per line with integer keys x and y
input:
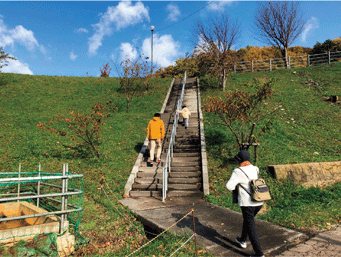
{"x": 249, "y": 208}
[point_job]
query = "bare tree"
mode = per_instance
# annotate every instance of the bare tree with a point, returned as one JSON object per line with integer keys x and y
{"x": 215, "y": 39}
{"x": 133, "y": 74}
{"x": 219, "y": 32}
{"x": 278, "y": 24}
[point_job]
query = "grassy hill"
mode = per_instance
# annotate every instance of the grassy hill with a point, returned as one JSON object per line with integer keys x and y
{"x": 307, "y": 129}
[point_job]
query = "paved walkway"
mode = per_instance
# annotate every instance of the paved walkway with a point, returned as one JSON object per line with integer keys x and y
{"x": 216, "y": 227}
{"x": 325, "y": 244}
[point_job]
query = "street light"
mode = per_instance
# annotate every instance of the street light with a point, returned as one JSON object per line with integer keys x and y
{"x": 151, "y": 68}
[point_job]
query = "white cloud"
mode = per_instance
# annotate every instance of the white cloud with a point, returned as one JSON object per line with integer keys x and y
{"x": 121, "y": 16}
{"x": 82, "y": 30}
{"x": 20, "y": 35}
{"x": 24, "y": 37}
{"x": 174, "y": 12}
{"x": 73, "y": 56}
{"x": 165, "y": 50}
{"x": 218, "y": 5}
{"x": 128, "y": 51}
{"x": 310, "y": 25}
{"x": 15, "y": 66}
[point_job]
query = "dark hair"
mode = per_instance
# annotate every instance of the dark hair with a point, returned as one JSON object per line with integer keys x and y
{"x": 242, "y": 156}
{"x": 157, "y": 115}
{"x": 184, "y": 106}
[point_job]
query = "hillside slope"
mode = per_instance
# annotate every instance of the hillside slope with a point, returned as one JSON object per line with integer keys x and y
{"x": 306, "y": 128}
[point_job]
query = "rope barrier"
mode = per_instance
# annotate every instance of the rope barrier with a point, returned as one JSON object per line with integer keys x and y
{"x": 182, "y": 245}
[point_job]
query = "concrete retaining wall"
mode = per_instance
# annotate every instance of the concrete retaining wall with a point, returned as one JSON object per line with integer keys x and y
{"x": 318, "y": 174}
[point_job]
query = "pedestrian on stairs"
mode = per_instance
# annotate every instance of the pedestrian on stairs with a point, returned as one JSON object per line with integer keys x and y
{"x": 155, "y": 135}
{"x": 185, "y": 115}
{"x": 249, "y": 208}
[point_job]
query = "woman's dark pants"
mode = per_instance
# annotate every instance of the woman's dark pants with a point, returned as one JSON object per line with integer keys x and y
{"x": 249, "y": 227}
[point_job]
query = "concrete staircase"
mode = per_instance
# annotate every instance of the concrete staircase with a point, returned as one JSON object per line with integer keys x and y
{"x": 186, "y": 176}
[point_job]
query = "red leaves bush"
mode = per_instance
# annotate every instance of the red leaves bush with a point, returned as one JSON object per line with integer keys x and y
{"x": 84, "y": 129}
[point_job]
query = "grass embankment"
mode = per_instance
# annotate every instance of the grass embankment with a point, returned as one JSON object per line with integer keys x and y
{"x": 26, "y": 100}
{"x": 306, "y": 128}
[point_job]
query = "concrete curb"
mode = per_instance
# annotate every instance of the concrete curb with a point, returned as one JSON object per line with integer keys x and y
{"x": 205, "y": 181}
{"x": 129, "y": 185}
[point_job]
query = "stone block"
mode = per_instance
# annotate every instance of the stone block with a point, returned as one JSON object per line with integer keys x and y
{"x": 319, "y": 174}
{"x": 65, "y": 244}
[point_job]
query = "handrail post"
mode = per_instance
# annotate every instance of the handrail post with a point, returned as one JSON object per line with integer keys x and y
{"x": 19, "y": 182}
{"x": 38, "y": 191}
{"x": 63, "y": 201}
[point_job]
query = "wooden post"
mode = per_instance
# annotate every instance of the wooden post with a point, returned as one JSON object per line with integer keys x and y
{"x": 195, "y": 235}
{"x": 256, "y": 157}
{"x": 308, "y": 60}
{"x": 329, "y": 57}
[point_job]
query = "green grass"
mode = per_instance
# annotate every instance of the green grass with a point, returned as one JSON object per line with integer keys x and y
{"x": 306, "y": 128}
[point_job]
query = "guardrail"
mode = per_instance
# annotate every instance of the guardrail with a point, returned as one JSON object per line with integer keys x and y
{"x": 292, "y": 62}
{"x": 167, "y": 167}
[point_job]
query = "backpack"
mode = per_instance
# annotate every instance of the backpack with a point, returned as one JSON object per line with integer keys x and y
{"x": 259, "y": 190}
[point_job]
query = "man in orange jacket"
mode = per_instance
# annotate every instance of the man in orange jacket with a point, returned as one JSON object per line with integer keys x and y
{"x": 155, "y": 134}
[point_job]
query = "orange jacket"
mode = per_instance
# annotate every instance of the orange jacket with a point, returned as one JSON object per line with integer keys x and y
{"x": 156, "y": 129}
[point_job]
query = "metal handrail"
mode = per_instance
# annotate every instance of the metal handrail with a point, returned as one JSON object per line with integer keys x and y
{"x": 167, "y": 167}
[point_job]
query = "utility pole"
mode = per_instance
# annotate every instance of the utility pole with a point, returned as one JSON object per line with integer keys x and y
{"x": 151, "y": 68}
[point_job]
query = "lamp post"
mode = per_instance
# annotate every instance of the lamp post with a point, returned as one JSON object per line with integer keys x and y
{"x": 151, "y": 68}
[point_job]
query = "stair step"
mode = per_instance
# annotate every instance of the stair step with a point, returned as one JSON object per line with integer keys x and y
{"x": 184, "y": 174}
{"x": 150, "y": 169}
{"x": 181, "y": 193}
{"x": 145, "y": 193}
{"x": 187, "y": 154}
{"x": 149, "y": 175}
{"x": 185, "y": 164}
{"x": 184, "y": 180}
{"x": 185, "y": 169}
{"x": 186, "y": 159}
{"x": 145, "y": 187}
{"x": 184, "y": 186}
{"x": 183, "y": 147}
{"x": 148, "y": 180}
{"x": 160, "y": 164}
{"x": 188, "y": 150}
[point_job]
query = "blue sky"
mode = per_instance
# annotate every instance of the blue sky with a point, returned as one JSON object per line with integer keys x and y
{"x": 77, "y": 38}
